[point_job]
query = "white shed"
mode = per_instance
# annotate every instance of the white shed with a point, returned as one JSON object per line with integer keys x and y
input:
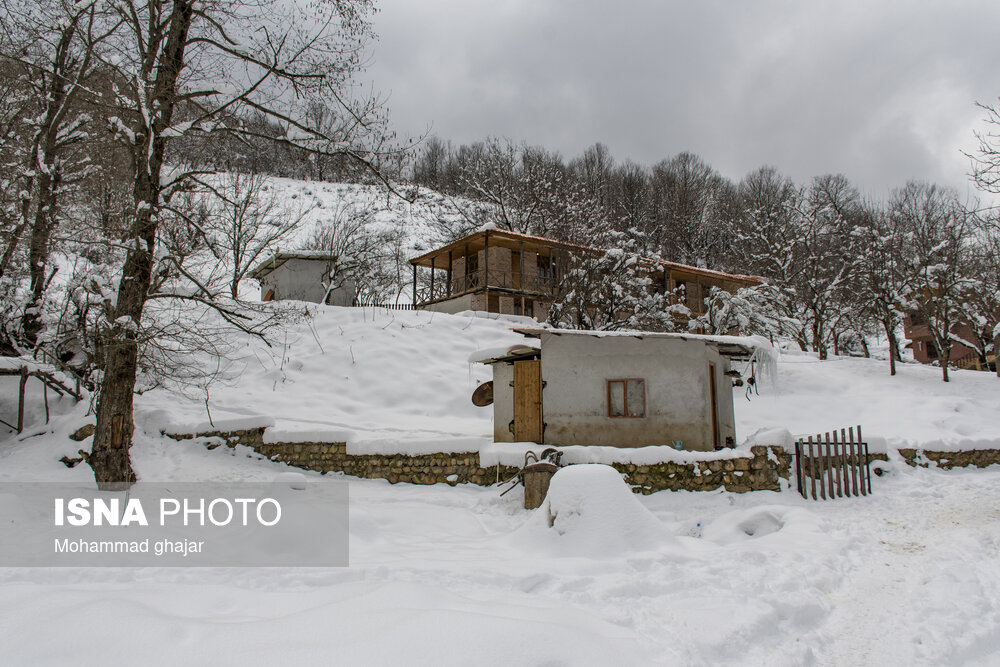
{"x": 621, "y": 389}
{"x": 303, "y": 275}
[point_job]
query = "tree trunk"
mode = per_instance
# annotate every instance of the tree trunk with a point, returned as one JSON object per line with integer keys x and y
{"x": 109, "y": 457}
{"x": 113, "y": 435}
{"x": 38, "y": 256}
{"x": 996, "y": 353}
{"x": 945, "y": 356}
{"x": 893, "y": 352}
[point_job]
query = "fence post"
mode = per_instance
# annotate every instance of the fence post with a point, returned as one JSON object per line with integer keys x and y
{"x": 20, "y": 399}
{"x": 799, "y": 484}
{"x": 835, "y": 465}
{"x": 812, "y": 467}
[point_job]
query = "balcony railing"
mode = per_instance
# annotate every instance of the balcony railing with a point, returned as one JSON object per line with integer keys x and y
{"x": 478, "y": 279}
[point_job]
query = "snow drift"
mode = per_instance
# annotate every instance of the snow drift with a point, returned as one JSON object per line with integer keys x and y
{"x": 590, "y": 511}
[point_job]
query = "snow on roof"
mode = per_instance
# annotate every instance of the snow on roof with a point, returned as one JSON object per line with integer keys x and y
{"x": 488, "y": 355}
{"x": 279, "y": 258}
{"x": 733, "y": 346}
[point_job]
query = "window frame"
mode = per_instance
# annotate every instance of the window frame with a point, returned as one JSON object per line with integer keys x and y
{"x": 624, "y": 382}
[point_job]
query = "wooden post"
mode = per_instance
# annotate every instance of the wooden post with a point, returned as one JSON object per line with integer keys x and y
{"x": 448, "y": 289}
{"x": 812, "y": 467}
{"x": 854, "y": 462}
{"x": 414, "y": 285}
{"x": 868, "y": 472}
{"x": 799, "y": 486}
{"x": 486, "y": 263}
{"x": 20, "y": 399}
{"x": 467, "y": 283}
{"x": 844, "y": 467}
{"x": 520, "y": 268}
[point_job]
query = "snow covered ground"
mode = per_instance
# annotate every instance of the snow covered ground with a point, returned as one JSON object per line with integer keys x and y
{"x": 449, "y": 576}
{"x": 454, "y": 576}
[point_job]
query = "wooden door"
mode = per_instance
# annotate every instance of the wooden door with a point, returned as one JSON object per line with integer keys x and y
{"x": 528, "y": 401}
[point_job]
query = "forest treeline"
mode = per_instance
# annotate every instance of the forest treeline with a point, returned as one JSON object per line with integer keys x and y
{"x": 840, "y": 267}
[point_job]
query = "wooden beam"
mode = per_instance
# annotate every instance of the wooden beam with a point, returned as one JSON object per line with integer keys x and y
{"x": 448, "y": 288}
{"x": 486, "y": 261}
{"x": 20, "y": 399}
{"x": 520, "y": 266}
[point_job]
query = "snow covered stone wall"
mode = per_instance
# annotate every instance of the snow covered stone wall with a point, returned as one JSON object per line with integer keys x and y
{"x": 442, "y": 467}
{"x": 759, "y": 472}
{"x": 763, "y": 470}
{"x": 979, "y": 458}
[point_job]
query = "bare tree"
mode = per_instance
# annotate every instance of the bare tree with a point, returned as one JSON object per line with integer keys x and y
{"x": 750, "y": 311}
{"x": 688, "y": 225}
{"x": 879, "y": 278}
{"x": 358, "y": 254}
{"x": 980, "y": 309}
{"x": 611, "y": 287}
{"x": 248, "y": 221}
{"x": 938, "y": 230}
{"x": 56, "y": 67}
{"x": 825, "y": 219}
{"x": 187, "y": 68}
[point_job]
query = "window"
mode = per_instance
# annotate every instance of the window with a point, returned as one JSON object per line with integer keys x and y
{"x": 627, "y": 398}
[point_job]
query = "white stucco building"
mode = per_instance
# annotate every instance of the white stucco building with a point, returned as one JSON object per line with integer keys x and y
{"x": 303, "y": 275}
{"x": 616, "y": 389}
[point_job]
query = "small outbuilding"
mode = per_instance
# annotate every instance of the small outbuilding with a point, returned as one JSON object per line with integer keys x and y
{"x": 303, "y": 275}
{"x": 620, "y": 389}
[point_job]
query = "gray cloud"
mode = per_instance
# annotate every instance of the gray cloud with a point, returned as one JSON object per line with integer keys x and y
{"x": 882, "y": 92}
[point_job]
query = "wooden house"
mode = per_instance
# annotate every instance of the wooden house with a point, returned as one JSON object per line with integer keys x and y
{"x": 499, "y": 271}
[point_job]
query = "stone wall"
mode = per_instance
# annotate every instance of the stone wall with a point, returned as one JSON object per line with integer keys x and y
{"x": 442, "y": 467}
{"x": 979, "y": 458}
{"x": 762, "y": 472}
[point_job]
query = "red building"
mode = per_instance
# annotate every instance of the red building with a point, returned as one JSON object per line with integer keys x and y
{"x": 926, "y": 351}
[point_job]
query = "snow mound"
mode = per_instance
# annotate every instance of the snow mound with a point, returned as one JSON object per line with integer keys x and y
{"x": 776, "y": 522}
{"x": 590, "y": 511}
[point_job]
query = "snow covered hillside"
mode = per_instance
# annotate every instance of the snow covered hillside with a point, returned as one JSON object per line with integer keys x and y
{"x": 449, "y": 576}
{"x": 425, "y": 222}
{"x": 388, "y": 381}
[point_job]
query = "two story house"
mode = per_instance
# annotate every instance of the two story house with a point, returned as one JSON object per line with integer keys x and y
{"x": 500, "y": 271}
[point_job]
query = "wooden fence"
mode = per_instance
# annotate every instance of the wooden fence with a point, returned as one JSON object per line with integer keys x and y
{"x": 48, "y": 380}
{"x": 371, "y": 303}
{"x": 834, "y": 466}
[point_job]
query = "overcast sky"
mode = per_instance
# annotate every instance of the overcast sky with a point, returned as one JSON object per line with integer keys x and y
{"x": 882, "y": 91}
